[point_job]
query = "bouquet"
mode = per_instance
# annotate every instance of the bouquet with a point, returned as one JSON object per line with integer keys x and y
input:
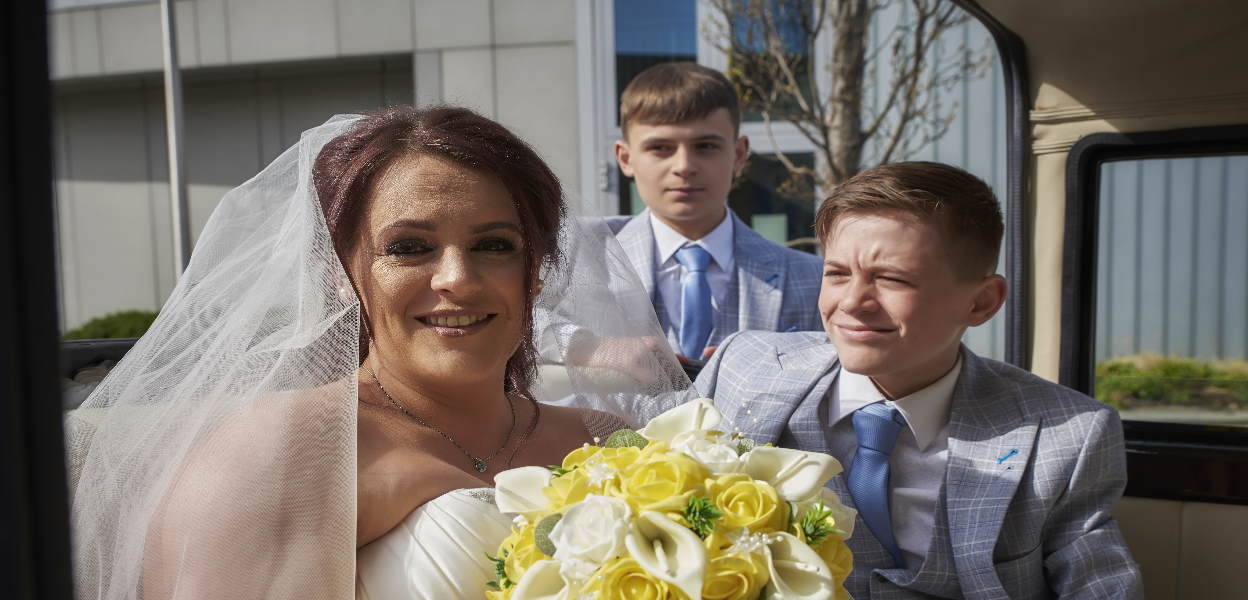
{"x": 676, "y": 510}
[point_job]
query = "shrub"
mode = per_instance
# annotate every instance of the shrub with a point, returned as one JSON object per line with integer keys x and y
{"x": 125, "y": 324}
{"x": 1150, "y": 381}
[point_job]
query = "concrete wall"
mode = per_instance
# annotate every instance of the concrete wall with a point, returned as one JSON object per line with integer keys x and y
{"x": 112, "y": 171}
{"x": 256, "y": 73}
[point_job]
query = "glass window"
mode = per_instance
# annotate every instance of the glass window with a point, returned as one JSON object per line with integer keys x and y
{"x": 778, "y": 207}
{"x": 750, "y": 39}
{"x": 649, "y": 32}
{"x": 1172, "y": 270}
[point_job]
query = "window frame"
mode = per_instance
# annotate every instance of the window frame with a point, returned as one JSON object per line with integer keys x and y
{"x": 35, "y": 560}
{"x": 1017, "y": 242}
{"x": 1174, "y": 461}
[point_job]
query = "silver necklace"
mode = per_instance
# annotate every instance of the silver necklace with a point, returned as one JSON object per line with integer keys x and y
{"x": 478, "y": 463}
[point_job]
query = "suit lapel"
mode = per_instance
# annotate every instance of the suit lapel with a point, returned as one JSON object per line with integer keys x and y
{"x": 990, "y": 445}
{"x": 760, "y": 277}
{"x": 637, "y": 239}
{"x": 817, "y": 365}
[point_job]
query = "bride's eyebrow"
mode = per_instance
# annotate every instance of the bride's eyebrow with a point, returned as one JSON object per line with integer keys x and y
{"x": 484, "y": 227}
{"x": 413, "y": 224}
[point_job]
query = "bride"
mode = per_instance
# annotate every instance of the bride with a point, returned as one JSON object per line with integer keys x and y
{"x": 349, "y": 359}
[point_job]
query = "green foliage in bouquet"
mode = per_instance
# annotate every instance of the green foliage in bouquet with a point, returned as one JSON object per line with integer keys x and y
{"x": 1144, "y": 381}
{"x": 700, "y": 514}
{"x": 500, "y": 571}
{"x": 541, "y": 534}
{"x": 815, "y": 524}
{"x": 125, "y": 324}
{"x": 625, "y": 438}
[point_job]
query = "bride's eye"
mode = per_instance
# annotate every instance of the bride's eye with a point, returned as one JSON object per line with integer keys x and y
{"x": 408, "y": 248}
{"x": 496, "y": 245}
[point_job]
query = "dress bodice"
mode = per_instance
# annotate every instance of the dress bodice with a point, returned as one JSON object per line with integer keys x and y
{"x": 437, "y": 552}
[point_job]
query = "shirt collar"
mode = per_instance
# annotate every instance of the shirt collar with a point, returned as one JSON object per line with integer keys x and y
{"x": 926, "y": 411}
{"x": 718, "y": 242}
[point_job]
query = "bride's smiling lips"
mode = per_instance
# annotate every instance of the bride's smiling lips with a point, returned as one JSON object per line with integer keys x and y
{"x": 456, "y": 323}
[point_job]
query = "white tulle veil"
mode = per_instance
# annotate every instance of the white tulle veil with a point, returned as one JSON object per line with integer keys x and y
{"x": 226, "y": 438}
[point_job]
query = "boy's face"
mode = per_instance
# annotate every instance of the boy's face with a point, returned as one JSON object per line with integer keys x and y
{"x": 684, "y": 171}
{"x": 891, "y": 302}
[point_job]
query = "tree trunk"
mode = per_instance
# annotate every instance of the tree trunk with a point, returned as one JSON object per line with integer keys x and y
{"x": 849, "y": 20}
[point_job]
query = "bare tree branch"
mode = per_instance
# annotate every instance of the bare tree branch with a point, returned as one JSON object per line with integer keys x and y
{"x": 836, "y": 106}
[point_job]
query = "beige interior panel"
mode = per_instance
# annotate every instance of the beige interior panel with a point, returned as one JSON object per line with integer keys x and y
{"x": 1153, "y": 529}
{"x": 1214, "y": 547}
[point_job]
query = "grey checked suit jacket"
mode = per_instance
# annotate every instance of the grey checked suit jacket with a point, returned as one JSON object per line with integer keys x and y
{"x": 773, "y": 289}
{"x": 1033, "y": 471}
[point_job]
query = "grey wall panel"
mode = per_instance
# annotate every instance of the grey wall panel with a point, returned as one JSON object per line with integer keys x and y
{"x": 1236, "y": 226}
{"x": 113, "y": 213}
{"x": 1154, "y": 253}
{"x": 537, "y": 100}
{"x": 84, "y": 29}
{"x": 374, "y": 26}
{"x": 468, "y": 79}
{"x": 534, "y": 21}
{"x": 61, "y": 45}
{"x": 452, "y": 24}
{"x": 108, "y": 204}
{"x": 276, "y": 30}
{"x": 1173, "y": 258}
{"x": 130, "y": 37}
{"x": 211, "y": 32}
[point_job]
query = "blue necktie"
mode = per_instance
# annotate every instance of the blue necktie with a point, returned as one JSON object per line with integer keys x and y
{"x": 877, "y": 427}
{"x": 695, "y": 301}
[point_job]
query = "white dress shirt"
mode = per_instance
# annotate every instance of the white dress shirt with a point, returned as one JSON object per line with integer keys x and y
{"x": 668, "y": 272}
{"x": 917, "y": 464}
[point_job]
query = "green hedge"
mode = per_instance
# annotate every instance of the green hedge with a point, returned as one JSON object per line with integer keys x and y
{"x": 1145, "y": 381}
{"x": 125, "y": 324}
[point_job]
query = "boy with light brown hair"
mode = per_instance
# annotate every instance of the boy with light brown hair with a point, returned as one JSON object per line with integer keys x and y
{"x": 972, "y": 478}
{"x": 707, "y": 272}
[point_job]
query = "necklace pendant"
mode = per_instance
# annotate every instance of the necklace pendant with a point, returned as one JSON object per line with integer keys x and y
{"x": 479, "y": 465}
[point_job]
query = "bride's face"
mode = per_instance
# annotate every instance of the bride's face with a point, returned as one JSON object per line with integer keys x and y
{"x": 440, "y": 263}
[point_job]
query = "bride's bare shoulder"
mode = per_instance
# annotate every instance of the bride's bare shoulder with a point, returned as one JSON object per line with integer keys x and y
{"x": 586, "y": 422}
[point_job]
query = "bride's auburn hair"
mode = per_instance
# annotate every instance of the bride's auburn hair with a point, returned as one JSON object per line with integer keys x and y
{"x": 346, "y": 167}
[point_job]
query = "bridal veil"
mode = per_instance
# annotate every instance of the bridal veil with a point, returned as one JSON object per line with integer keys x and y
{"x": 221, "y": 451}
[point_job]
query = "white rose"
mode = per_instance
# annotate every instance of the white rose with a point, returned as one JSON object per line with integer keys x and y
{"x": 591, "y": 532}
{"x": 715, "y": 455}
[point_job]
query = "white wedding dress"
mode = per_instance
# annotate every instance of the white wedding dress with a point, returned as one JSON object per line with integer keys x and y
{"x": 437, "y": 552}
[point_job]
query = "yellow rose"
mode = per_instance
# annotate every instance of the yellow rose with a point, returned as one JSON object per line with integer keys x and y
{"x": 747, "y": 503}
{"x": 734, "y": 577}
{"x": 617, "y": 458}
{"x": 566, "y": 489}
{"x": 661, "y": 481}
{"x": 577, "y": 457}
{"x": 521, "y": 552}
{"x": 835, "y": 553}
{"x": 623, "y": 579}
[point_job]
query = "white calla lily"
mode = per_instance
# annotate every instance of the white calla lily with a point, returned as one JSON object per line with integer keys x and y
{"x": 699, "y": 413}
{"x": 669, "y": 551}
{"x": 843, "y": 515}
{"x": 542, "y": 581}
{"x": 519, "y": 491}
{"x": 796, "y": 474}
{"x": 797, "y": 572}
